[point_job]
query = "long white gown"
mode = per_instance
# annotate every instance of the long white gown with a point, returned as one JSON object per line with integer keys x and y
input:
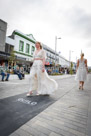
{"x": 40, "y": 81}
{"x": 81, "y": 74}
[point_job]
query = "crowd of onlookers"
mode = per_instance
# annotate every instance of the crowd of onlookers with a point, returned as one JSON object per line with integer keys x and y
{"x": 59, "y": 70}
{"x": 5, "y": 71}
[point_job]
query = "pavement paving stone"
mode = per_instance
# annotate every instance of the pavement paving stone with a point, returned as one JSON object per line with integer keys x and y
{"x": 31, "y": 130}
{"x": 54, "y": 134}
{"x": 70, "y": 112}
{"x": 63, "y": 126}
{"x": 14, "y": 134}
{"x": 21, "y": 132}
{"x": 64, "y": 116}
{"x": 41, "y": 129}
{"x": 54, "y": 128}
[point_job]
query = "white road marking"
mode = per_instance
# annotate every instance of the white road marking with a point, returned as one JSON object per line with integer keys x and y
{"x": 11, "y": 83}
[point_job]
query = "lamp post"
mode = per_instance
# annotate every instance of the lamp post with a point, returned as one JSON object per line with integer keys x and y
{"x": 81, "y": 51}
{"x": 70, "y": 56}
{"x": 56, "y": 48}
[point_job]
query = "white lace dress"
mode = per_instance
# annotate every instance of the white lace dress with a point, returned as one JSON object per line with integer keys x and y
{"x": 81, "y": 74}
{"x": 40, "y": 81}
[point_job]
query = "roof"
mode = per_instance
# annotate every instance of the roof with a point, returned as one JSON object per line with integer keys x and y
{"x": 10, "y": 41}
{"x": 3, "y": 21}
{"x": 25, "y": 36}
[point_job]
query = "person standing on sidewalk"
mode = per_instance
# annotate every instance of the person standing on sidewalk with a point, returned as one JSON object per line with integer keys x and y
{"x": 81, "y": 71}
{"x": 39, "y": 79}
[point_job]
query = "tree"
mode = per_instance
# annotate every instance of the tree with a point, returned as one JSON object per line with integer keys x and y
{"x": 71, "y": 68}
{"x": 12, "y": 57}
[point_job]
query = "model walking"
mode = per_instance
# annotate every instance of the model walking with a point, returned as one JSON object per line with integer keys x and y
{"x": 39, "y": 79}
{"x": 82, "y": 71}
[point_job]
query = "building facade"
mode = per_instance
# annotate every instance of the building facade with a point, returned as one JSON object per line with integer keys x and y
{"x": 23, "y": 46}
{"x": 3, "y": 29}
{"x": 52, "y": 58}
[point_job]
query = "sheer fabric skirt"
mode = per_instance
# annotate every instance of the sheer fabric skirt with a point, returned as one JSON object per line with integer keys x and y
{"x": 40, "y": 81}
{"x": 81, "y": 74}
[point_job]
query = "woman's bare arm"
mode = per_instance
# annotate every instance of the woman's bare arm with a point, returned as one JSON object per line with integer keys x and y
{"x": 77, "y": 65}
{"x": 86, "y": 64}
{"x": 44, "y": 59}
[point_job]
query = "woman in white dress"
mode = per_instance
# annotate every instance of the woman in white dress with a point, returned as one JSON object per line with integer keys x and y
{"x": 39, "y": 79}
{"x": 81, "y": 71}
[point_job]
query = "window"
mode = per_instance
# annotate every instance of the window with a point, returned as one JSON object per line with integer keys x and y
{"x": 21, "y": 46}
{"x": 27, "y": 48}
{"x": 32, "y": 50}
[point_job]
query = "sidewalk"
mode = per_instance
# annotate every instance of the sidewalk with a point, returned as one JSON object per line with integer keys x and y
{"x": 62, "y": 76}
{"x": 15, "y": 77}
{"x": 69, "y": 116}
{"x": 7, "y": 88}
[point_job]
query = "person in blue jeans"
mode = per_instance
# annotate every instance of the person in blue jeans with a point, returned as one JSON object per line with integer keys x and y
{"x": 3, "y": 72}
{"x": 17, "y": 72}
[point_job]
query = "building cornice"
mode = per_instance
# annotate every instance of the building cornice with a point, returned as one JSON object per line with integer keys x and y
{"x": 23, "y": 36}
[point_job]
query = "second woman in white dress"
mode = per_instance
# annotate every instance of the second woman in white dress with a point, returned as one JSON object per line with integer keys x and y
{"x": 82, "y": 70}
{"x": 39, "y": 79}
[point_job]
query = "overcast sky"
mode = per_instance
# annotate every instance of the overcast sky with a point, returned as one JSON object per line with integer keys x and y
{"x": 45, "y": 19}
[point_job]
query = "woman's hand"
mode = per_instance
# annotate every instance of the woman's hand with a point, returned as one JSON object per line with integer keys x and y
{"x": 43, "y": 69}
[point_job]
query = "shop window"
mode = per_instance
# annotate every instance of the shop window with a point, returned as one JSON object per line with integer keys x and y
{"x": 32, "y": 50}
{"x": 27, "y": 48}
{"x": 21, "y": 46}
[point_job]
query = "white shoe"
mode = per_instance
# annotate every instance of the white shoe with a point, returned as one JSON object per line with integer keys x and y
{"x": 29, "y": 94}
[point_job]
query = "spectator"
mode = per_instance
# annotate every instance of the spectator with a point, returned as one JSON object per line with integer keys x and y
{"x": 4, "y": 72}
{"x": 15, "y": 67}
{"x": 10, "y": 66}
{"x": 28, "y": 70}
{"x": 65, "y": 71}
{"x": 17, "y": 72}
{"x": 22, "y": 72}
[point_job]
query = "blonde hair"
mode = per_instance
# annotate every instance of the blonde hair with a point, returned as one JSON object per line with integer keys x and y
{"x": 39, "y": 44}
{"x": 82, "y": 54}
